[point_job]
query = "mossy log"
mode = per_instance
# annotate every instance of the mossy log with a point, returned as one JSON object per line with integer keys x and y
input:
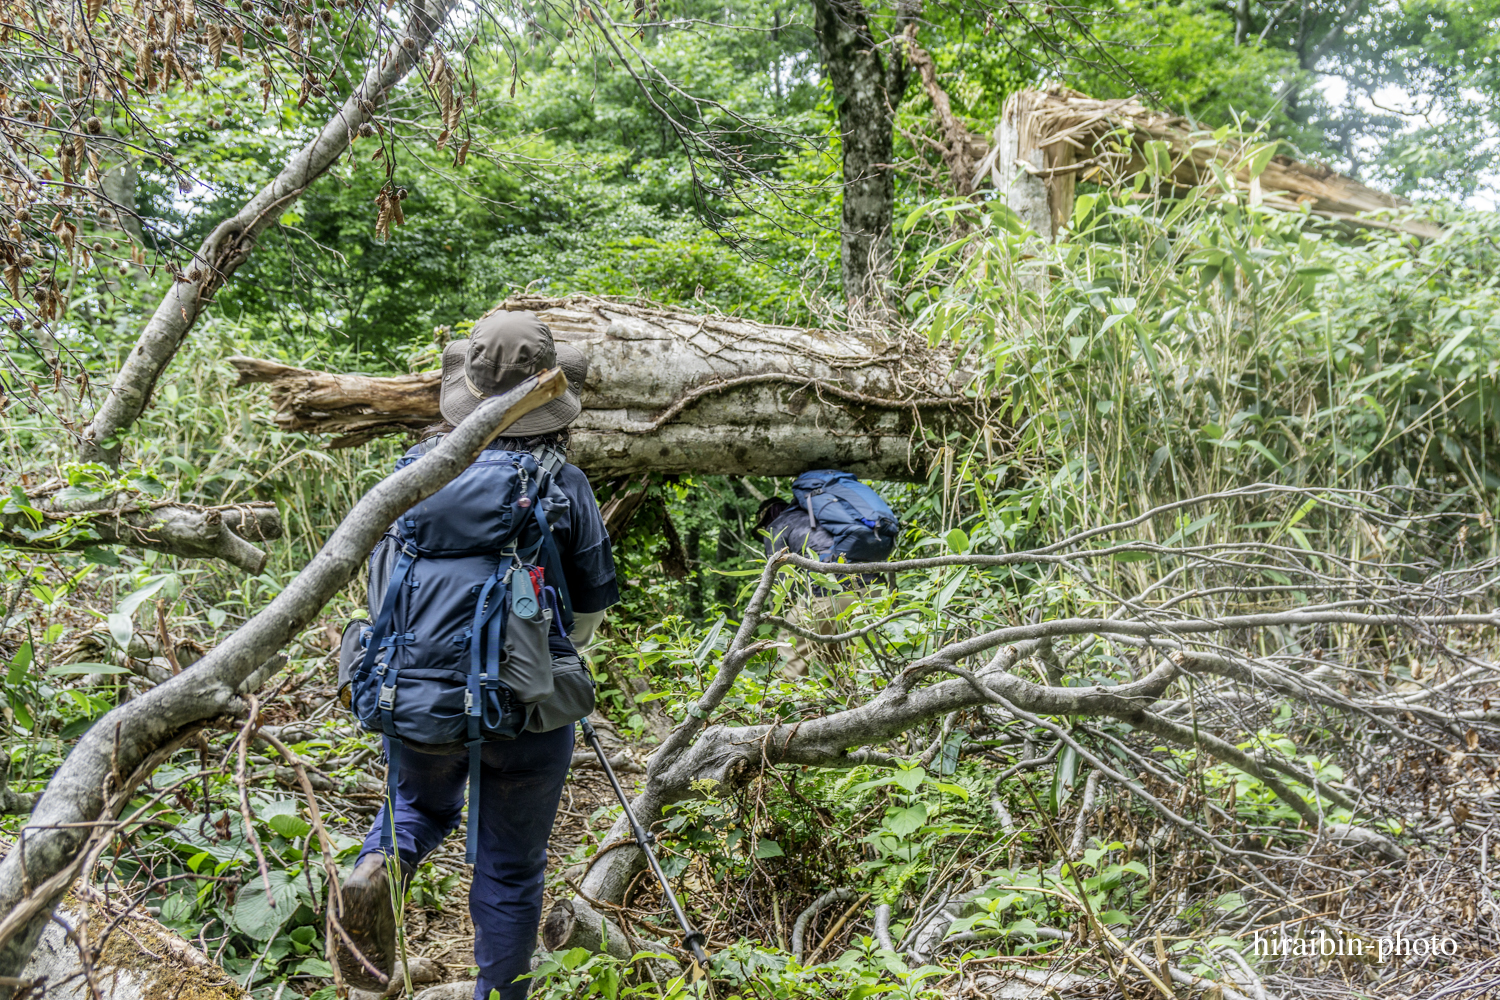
{"x": 677, "y": 392}
{"x": 138, "y": 960}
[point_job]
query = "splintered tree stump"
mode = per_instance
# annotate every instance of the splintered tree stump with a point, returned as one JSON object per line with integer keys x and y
{"x": 674, "y": 392}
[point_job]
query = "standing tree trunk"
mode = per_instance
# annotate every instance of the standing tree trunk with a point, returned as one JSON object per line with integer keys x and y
{"x": 867, "y": 87}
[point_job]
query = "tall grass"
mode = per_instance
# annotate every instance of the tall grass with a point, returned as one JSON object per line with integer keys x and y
{"x": 1166, "y": 348}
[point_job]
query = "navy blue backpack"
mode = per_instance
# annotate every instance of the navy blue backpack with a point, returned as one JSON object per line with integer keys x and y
{"x": 861, "y": 526}
{"x": 470, "y": 618}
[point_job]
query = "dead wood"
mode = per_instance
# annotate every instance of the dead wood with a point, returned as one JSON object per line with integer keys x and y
{"x": 676, "y": 392}
{"x": 1091, "y": 139}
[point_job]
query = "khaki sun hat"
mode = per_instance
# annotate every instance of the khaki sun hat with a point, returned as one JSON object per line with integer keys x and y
{"x": 502, "y": 350}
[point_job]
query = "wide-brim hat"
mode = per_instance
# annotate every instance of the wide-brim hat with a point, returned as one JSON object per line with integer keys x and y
{"x": 503, "y": 350}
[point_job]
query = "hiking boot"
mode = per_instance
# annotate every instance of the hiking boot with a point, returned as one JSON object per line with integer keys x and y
{"x": 369, "y": 922}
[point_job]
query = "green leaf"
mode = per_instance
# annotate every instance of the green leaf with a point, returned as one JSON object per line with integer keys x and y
{"x": 19, "y": 665}
{"x": 135, "y": 598}
{"x": 100, "y": 557}
{"x": 908, "y": 821}
{"x": 253, "y": 914}
{"x": 315, "y": 967}
{"x": 1063, "y": 777}
{"x": 768, "y": 849}
{"x": 950, "y": 588}
{"x": 22, "y": 713}
{"x": 951, "y": 748}
{"x": 87, "y": 668}
{"x": 910, "y": 778}
{"x": 957, "y": 541}
{"x": 1261, "y": 158}
{"x": 1158, "y": 157}
{"x": 289, "y": 826}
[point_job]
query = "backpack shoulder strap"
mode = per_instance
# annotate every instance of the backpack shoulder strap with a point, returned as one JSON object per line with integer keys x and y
{"x": 550, "y": 459}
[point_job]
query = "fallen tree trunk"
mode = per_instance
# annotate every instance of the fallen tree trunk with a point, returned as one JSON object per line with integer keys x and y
{"x": 675, "y": 392}
{"x": 137, "y": 959}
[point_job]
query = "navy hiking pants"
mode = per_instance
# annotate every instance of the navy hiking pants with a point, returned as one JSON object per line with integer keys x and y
{"x": 521, "y": 784}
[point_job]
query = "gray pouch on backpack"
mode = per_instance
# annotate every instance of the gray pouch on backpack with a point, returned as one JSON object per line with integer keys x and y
{"x": 572, "y": 697}
{"x": 351, "y": 651}
{"x": 526, "y": 667}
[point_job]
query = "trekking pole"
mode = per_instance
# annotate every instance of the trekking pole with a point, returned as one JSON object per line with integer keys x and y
{"x": 692, "y": 940}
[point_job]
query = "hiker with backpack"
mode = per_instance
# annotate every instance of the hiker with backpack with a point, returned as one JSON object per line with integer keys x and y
{"x": 480, "y": 598}
{"x": 834, "y": 518}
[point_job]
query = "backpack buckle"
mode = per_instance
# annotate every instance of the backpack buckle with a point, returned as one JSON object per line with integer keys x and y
{"x": 387, "y": 697}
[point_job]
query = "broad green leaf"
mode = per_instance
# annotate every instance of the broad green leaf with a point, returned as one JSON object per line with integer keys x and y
{"x": 910, "y": 778}
{"x": 253, "y": 913}
{"x": 289, "y": 826}
{"x": 946, "y": 594}
{"x": 19, "y": 665}
{"x": 957, "y": 541}
{"x": 22, "y": 713}
{"x": 768, "y": 849}
{"x": 121, "y": 628}
{"x": 908, "y": 821}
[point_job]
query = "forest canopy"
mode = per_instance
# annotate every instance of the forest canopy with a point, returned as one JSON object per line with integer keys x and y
{"x": 1185, "y": 654}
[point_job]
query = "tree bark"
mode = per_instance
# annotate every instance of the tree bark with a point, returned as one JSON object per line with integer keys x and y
{"x": 231, "y": 242}
{"x": 122, "y": 748}
{"x": 867, "y": 87}
{"x": 673, "y": 392}
{"x": 139, "y": 960}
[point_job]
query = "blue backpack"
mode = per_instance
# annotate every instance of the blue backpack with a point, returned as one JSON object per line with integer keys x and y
{"x": 469, "y": 639}
{"x": 862, "y": 526}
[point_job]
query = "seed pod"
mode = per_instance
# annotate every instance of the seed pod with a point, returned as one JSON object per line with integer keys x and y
{"x": 94, "y": 126}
